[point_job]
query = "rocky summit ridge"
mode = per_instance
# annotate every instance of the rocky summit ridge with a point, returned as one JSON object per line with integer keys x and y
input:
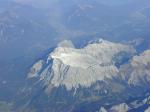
{"x": 74, "y": 67}
{"x": 102, "y": 76}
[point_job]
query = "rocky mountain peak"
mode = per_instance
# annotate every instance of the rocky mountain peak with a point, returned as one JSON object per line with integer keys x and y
{"x": 82, "y": 67}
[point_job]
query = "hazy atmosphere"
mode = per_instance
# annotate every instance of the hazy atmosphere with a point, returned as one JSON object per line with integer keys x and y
{"x": 74, "y": 55}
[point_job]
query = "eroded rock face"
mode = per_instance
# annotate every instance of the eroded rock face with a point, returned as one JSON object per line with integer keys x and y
{"x": 120, "y": 108}
{"x": 137, "y": 105}
{"x": 147, "y": 110}
{"x": 137, "y": 71}
{"x": 73, "y": 67}
{"x": 109, "y": 76}
{"x": 102, "y": 109}
{"x": 35, "y": 69}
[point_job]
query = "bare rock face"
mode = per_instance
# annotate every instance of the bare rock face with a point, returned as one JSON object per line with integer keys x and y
{"x": 147, "y": 110}
{"x": 137, "y": 105}
{"x": 120, "y": 108}
{"x": 35, "y": 69}
{"x": 66, "y": 43}
{"x": 103, "y": 74}
{"x": 102, "y": 109}
{"x": 137, "y": 71}
{"x": 73, "y": 67}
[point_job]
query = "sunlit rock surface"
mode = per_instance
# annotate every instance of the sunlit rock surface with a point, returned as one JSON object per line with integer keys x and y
{"x": 137, "y": 71}
{"x": 73, "y": 67}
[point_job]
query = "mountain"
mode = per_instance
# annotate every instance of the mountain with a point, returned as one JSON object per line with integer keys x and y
{"x": 74, "y": 67}
{"x": 31, "y": 29}
{"x": 138, "y": 105}
{"x": 28, "y": 28}
{"x": 100, "y": 74}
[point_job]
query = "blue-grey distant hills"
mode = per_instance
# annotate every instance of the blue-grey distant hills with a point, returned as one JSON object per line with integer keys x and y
{"x": 31, "y": 29}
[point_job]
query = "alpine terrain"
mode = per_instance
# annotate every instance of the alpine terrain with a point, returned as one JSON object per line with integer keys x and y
{"x": 102, "y": 76}
{"x": 74, "y": 55}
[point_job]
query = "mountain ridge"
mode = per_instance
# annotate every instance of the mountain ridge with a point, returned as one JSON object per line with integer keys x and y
{"x": 97, "y": 57}
{"x": 89, "y": 77}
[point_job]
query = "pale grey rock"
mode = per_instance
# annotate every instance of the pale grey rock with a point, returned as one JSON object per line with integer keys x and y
{"x": 102, "y": 109}
{"x": 66, "y": 43}
{"x": 137, "y": 70}
{"x": 134, "y": 105}
{"x": 120, "y": 108}
{"x": 73, "y": 67}
{"x": 36, "y": 68}
{"x": 147, "y": 110}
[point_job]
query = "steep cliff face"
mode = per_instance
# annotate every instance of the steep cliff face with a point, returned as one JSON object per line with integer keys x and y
{"x": 73, "y": 67}
{"x": 137, "y": 105}
{"x": 137, "y": 71}
{"x": 104, "y": 74}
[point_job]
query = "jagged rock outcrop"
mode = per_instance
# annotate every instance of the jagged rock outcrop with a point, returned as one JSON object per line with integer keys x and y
{"x": 120, "y": 108}
{"x": 137, "y": 71}
{"x": 81, "y": 67}
{"x": 137, "y": 105}
{"x": 35, "y": 69}
{"x": 103, "y": 74}
{"x": 102, "y": 109}
{"x": 147, "y": 110}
